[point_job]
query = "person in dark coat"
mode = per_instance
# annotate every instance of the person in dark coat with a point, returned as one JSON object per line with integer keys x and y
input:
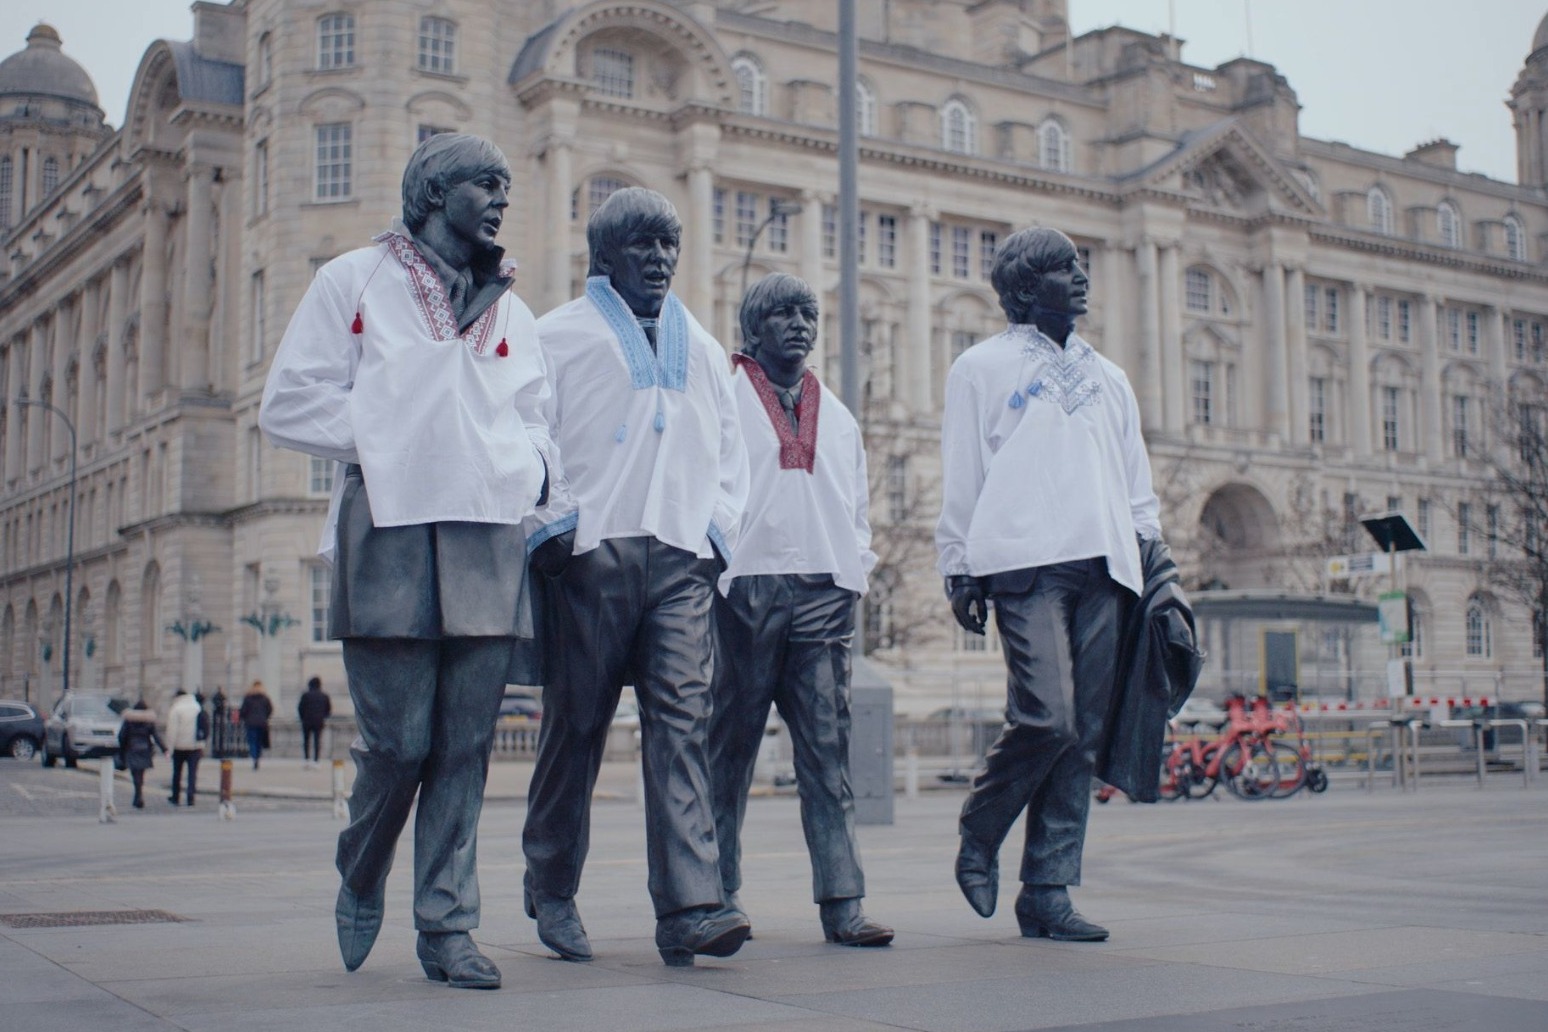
{"x": 314, "y": 709}
{"x": 137, "y": 738}
{"x": 254, "y": 715}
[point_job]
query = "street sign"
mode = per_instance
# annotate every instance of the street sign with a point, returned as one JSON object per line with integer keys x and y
{"x": 1392, "y": 616}
{"x": 1341, "y": 567}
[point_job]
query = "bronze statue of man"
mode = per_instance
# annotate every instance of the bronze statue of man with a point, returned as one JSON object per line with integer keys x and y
{"x": 644, "y": 415}
{"x": 413, "y": 366}
{"x": 1046, "y": 493}
{"x": 788, "y": 611}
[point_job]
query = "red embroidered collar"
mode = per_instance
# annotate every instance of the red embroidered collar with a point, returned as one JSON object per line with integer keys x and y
{"x": 798, "y": 447}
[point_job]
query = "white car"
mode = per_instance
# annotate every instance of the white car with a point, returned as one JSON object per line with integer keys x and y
{"x": 1200, "y": 712}
{"x": 81, "y": 724}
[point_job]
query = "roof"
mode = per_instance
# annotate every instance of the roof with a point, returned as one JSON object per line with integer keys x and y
{"x": 200, "y": 78}
{"x": 42, "y": 68}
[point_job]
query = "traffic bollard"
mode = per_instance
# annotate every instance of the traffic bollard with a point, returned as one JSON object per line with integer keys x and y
{"x": 227, "y": 809}
{"x": 340, "y": 802}
{"x": 108, "y": 811}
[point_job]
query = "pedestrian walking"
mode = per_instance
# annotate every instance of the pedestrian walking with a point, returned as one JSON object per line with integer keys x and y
{"x": 185, "y": 720}
{"x": 314, "y": 709}
{"x": 137, "y": 738}
{"x": 254, "y": 715}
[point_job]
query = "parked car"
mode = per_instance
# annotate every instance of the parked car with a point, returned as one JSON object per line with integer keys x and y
{"x": 21, "y": 730}
{"x": 1200, "y": 712}
{"x": 82, "y": 724}
{"x": 521, "y": 706}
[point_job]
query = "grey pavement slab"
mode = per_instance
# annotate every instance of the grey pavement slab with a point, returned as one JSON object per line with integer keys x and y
{"x": 1347, "y": 911}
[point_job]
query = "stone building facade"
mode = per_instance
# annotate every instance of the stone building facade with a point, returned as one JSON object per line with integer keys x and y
{"x": 1314, "y": 331}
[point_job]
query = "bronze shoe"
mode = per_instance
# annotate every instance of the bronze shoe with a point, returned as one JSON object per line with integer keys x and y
{"x": 845, "y": 923}
{"x": 452, "y": 958}
{"x": 710, "y": 931}
{"x": 558, "y": 924}
{"x": 978, "y": 874}
{"x": 359, "y": 919}
{"x": 1046, "y": 910}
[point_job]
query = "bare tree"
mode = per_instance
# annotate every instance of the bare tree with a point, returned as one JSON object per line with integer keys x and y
{"x": 904, "y": 608}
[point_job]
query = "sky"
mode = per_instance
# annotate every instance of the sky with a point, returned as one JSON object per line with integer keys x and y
{"x": 1383, "y": 75}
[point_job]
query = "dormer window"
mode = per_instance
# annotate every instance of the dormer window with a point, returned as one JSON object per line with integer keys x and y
{"x": 959, "y": 128}
{"x": 1448, "y": 225}
{"x": 752, "y": 85}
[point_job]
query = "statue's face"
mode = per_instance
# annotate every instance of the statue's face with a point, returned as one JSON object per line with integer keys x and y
{"x": 1062, "y": 288}
{"x": 787, "y": 333}
{"x": 641, "y": 269}
{"x": 475, "y": 207}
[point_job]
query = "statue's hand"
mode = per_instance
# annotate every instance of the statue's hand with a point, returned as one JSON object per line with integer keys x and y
{"x": 968, "y": 604}
{"x": 552, "y": 556}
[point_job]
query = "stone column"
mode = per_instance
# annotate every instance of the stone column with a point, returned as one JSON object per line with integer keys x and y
{"x": 1276, "y": 407}
{"x": 1147, "y": 387}
{"x": 1297, "y": 387}
{"x": 198, "y": 281}
{"x": 809, "y": 228}
{"x": 699, "y": 242}
{"x": 1359, "y": 435}
{"x": 1174, "y": 373}
{"x": 917, "y": 368}
{"x": 65, "y": 330}
{"x": 13, "y": 412}
{"x": 559, "y": 186}
{"x": 87, "y": 335}
{"x": 1118, "y": 341}
{"x": 1429, "y": 436}
{"x": 153, "y": 301}
{"x": 1496, "y": 348}
{"x": 37, "y": 415}
{"x": 118, "y": 288}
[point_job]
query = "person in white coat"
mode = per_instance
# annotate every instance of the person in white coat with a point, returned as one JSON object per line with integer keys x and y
{"x": 186, "y": 744}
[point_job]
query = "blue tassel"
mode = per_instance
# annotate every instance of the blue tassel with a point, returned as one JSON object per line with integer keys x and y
{"x": 1015, "y": 400}
{"x": 1035, "y": 388}
{"x": 660, "y": 421}
{"x": 621, "y": 432}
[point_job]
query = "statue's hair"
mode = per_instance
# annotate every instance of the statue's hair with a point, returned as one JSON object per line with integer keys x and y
{"x": 769, "y": 293}
{"x": 1019, "y": 264}
{"x": 628, "y": 211}
{"x": 443, "y": 161}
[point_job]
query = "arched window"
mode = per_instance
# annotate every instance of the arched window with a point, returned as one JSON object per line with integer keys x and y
{"x": 865, "y": 108}
{"x": 959, "y": 128}
{"x": 1515, "y": 238}
{"x": 335, "y": 41}
{"x": 612, "y": 72}
{"x": 1448, "y": 225}
{"x": 50, "y": 175}
{"x": 150, "y": 612}
{"x": 599, "y": 189}
{"x": 437, "y": 45}
{"x": 1378, "y": 209}
{"x": 265, "y": 59}
{"x": 1480, "y": 632}
{"x": 5, "y": 192}
{"x": 1053, "y": 146}
{"x": 752, "y": 85}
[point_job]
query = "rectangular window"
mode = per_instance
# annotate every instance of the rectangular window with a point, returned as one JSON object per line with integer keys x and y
{"x": 1389, "y": 418}
{"x": 1313, "y": 295}
{"x": 987, "y": 242}
{"x": 335, "y": 41}
{"x": 897, "y": 488}
{"x": 1492, "y": 527}
{"x": 961, "y": 340}
{"x": 319, "y": 478}
{"x": 261, "y": 178}
{"x": 1454, "y": 328}
{"x": 438, "y": 45}
{"x": 1472, "y": 333}
{"x": 830, "y": 231}
{"x": 1464, "y": 528}
{"x": 935, "y": 248}
{"x": 612, "y": 72}
{"x": 260, "y": 319}
{"x": 322, "y": 596}
{"x": 334, "y": 169}
{"x": 779, "y": 228}
{"x": 1330, "y": 316}
{"x": 746, "y": 217}
{"x": 887, "y": 241}
{"x": 1537, "y": 343}
{"x": 719, "y": 207}
{"x": 1317, "y": 409}
{"x": 1201, "y": 385}
{"x": 961, "y": 251}
{"x": 862, "y": 221}
{"x": 424, "y": 132}
{"x": 1196, "y": 290}
{"x": 1384, "y": 318}
{"x": 1518, "y": 334}
{"x": 1459, "y": 425}
{"x": 1424, "y": 517}
{"x": 1394, "y": 503}
{"x": 1405, "y": 320}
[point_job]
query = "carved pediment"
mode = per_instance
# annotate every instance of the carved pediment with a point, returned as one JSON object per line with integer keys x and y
{"x": 1224, "y": 166}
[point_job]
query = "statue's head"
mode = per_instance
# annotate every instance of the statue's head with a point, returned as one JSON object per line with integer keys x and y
{"x": 439, "y": 165}
{"x": 779, "y": 320}
{"x": 634, "y": 237}
{"x": 1038, "y": 276}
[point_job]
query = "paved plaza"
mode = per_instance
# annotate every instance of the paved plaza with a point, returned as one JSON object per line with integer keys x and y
{"x": 1346, "y": 911}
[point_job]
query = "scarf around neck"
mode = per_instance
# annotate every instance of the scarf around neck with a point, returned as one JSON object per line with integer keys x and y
{"x": 797, "y": 447}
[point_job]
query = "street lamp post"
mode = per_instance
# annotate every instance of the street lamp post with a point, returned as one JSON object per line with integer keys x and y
{"x": 69, "y": 532}
{"x": 778, "y": 209}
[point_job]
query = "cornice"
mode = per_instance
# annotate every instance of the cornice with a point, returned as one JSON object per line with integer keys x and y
{"x": 1397, "y": 247}
{"x": 85, "y": 234}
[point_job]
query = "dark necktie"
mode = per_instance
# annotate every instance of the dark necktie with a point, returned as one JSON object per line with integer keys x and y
{"x": 788, "y": 401}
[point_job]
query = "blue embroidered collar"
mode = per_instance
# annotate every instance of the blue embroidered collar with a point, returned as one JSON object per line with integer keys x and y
{"x": 667, "y": 365}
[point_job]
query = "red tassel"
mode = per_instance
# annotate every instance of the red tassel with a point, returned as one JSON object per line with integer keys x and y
{"x": 502, "y": 349}
{"x": 358, "y": 326}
